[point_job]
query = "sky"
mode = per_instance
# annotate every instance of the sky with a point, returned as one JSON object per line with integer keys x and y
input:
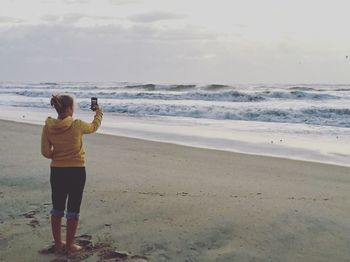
{"x": 175, "y": 41}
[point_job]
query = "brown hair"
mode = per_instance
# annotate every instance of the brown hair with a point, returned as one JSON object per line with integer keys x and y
{"x": 62, "y": 103}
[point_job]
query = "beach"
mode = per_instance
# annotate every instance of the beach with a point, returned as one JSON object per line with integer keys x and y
{"x": 167, "y": 202}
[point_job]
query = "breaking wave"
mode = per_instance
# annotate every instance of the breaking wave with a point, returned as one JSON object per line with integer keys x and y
{"x": 310, "y": 104}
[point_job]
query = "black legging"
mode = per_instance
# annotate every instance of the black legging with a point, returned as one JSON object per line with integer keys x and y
{"x": 67, "y": 181}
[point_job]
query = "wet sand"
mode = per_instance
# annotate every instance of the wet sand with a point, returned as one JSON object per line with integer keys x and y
{"x": 162, "y": 202}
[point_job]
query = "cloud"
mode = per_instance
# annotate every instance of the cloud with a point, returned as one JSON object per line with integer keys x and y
{"x": 241, "y": 25}
{"x": 196, "y": 57}
{"x": 50, "y": 18}
{"x": 75, "y": 18}
{"x": 7, "y": 19}
{"x": 147, "y": 52}
{"x": 76, "y": 1}
{"x": 66, "y": 52}
{"x": 187, "y": 33}
{"x": 155, "y": 17}
{"x": 124, "y": 2}
{"x": 72, "y": 18}
{"x": 69, "y": 2}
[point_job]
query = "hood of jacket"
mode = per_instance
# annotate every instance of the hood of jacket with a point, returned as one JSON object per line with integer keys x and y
{"x": 57, "y": 126}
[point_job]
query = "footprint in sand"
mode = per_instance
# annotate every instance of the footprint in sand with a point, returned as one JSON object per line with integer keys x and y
{"x": 107, "y": 254}
{"x": 30, "y": 214}
{"x": 33, "y": 223}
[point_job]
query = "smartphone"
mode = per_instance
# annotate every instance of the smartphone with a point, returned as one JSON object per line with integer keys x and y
{"x": 93, "y": 103}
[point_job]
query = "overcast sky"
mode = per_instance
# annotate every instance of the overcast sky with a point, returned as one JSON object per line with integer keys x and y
{"x": 175, "y": 41}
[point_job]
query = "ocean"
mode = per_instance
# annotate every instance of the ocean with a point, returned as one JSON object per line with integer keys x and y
{"x": 306, "y": 121}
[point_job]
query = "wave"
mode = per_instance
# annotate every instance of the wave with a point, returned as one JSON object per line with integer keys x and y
{"x": 159, "y": 103}
{"x": 48, "y": 86}
{"x": 314, "y": 116}
{"x": 145, "y": 86}
{"x": 343, "y": 89}
{"x": 48, "y": 83}
{"x": 302, "y": 88}
{"x": 321, "y": 88}
{"x": 181, "y": 87}
{"x": 152, "y": 87}
{"x": 229, "y": 96}
{"x": 339, "y": 117}
{"x": 207, "y": 86}
{"x": 224, "y": 95}
{"x": 296, "y": 95}
{"x": 215, "y": 87}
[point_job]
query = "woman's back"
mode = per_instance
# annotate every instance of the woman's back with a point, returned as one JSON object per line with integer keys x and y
{"x": 62, "y": 140}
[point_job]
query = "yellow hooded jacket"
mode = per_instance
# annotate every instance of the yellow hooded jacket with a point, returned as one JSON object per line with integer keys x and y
{"x": 61, "y": 140}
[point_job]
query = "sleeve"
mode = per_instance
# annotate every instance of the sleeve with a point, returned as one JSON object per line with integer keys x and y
{"x": 46, "y": 145}
{"x": 88, "y": 128}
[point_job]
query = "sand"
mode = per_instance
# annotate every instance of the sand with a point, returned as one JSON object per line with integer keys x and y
{"x": 164, "y": 202}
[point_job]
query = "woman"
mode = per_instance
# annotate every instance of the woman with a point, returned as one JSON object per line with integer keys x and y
{"x": 61, "y": 141}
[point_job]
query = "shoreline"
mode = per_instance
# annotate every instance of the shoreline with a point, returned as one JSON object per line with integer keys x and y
{"x": 202, "y": 146}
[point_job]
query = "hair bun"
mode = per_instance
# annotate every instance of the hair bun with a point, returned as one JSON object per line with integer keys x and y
{"x": 55, "y": 102}
{"x": 61, "y": 103}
